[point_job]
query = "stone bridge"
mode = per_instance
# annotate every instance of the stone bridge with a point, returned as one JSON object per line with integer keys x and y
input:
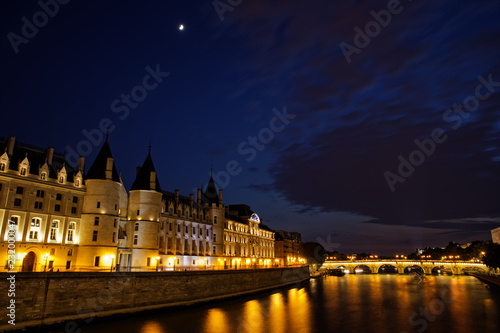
{"x": 457, "y": 267}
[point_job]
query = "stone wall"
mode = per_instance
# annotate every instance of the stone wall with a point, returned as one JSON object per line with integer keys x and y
{"x": 47, "y": 298}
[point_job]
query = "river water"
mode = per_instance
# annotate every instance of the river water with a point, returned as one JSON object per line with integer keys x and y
{"x": 352, "y": 303}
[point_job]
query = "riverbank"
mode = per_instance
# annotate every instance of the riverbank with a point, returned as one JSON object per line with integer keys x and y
{"x": 487, "y": 278}
{"x": 52, "y": 298}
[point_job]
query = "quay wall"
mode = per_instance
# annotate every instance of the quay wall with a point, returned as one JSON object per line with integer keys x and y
{"x": 51, "y": 298}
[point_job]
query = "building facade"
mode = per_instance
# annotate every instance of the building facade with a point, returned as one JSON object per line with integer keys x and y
{"x": 288, "y": 248}
{"x": 495, "y": 235}
{"x": 54, "y": 217}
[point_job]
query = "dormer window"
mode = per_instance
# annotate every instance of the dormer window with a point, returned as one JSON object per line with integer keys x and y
{"x": 23, "y": 172}
{"x": 61, "y": 180}
{"x": 43, "y": 176}
{"x": 77, "y": 182}
{"x": 2, "y": 166}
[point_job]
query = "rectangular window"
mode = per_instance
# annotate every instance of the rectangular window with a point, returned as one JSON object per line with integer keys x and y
{"x": 68, "y": 264}
{"x": 138, "y": 212}
{"x": 170, "y": 227}
{"x": 194, "y": 231}
{"x": 114, "y": 223}
{"x": 73, "y": 210}
{"x": 136, "y": 227}
{"x": 215, "y": 219}
{"x": 186, "y": 229}
{"x": 98, "y": 204}
{"x": 215, "y": 237}
{"x": 2, "y": 166}
{"x": 57, "y": 208}
{"x": 38, "y": 205}
{"x": 114, "y": 237}
{"x": 96, "y": 261}
{"x": 14, "y": 220}
{"x": 116, "y": 206}
{"x": 148, "y": 261}
{"x": 33, "y": 234}
{"x": 136, "y": 238}
{"x": 58, "y": 196}
{"x": 96, "y": 220}
{"x": 40, "y": 194}
{"x": 17, "y": 202}
{"x": 70, "y": 252}
{"x": 178, "y": 228}
{"x": 194, "y": 262}
{"x": 213, "y": 250}
{"x": 35, "y": 222}
{"x": 19, "y": 190}
{"x": 70, "y": 235}
{"x": 75, "y": 199}
{"x": 53, "y": 234}
{"x": 94, "y": 236}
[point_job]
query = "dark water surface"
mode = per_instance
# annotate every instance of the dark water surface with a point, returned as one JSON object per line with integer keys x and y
{"x": 353, "y": 303}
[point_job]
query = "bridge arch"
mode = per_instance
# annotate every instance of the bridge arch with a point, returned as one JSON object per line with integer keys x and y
{"x": 442, "y": 270}
{"x": 411, "y": 268}
{"x": 387, "y": 269}
{"x": 362, "y": 269}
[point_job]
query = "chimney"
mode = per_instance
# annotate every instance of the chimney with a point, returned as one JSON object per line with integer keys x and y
{"x": 109, "y": 168}
{"x": 10, "y": 145}
{"x": 220, "y": 197}
{"x": 176, "y": 196}
{"x": 152, "y": 180}
{"x": 191, "y": 199}
{"x": 50, "y": 155}
{"x": 137, "y": 170}
{"x": 81, "y": 164}
{"x": 198, "y": 197}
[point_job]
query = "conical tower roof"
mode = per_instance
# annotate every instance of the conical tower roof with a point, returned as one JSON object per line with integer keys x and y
{"x": 98, "y": 168}
{"x": 143, "y": 179}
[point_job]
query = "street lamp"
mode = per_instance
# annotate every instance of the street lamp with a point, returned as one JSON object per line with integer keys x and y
{"x": 157, "y": 261}
{"x": 46, "y": 258}
{"x": 112, "y": 262}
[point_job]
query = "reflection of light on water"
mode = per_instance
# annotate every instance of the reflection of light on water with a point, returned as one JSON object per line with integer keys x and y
{"x": 253, "y": 317}
{"x": 277, "y": 314}
{"x": 152, "y": 327}
{"x": 299, "y": 306}
{"x": 216, "y": 321}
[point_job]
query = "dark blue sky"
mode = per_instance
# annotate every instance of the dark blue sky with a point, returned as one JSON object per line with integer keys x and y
{"x": 330, "y": 168}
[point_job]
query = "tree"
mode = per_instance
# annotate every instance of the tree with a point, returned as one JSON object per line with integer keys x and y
{"x": 492, "y": 255}
{"x": 315, "y": 253}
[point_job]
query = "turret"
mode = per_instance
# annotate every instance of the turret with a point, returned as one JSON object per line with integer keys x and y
{"x": 145, "y": 203}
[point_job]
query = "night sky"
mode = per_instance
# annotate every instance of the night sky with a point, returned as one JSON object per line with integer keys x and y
{"x": 377, "y": 136}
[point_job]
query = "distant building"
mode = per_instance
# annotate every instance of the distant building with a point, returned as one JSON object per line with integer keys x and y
{"x": 57, "y": 218}
{"x": 288, "y": 247}
{"x": 495, "y": 235}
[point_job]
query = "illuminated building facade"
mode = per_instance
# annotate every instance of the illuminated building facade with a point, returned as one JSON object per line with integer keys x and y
{"x": 288, "y": 247}
{"x": 495, "y": 235}
{"x": 62, "y": 220}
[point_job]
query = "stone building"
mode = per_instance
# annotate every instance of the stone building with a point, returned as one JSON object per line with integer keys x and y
{"x": 288, "y": 247}
{"x": 59, "y": 218}
{"x": 495, "y": 235}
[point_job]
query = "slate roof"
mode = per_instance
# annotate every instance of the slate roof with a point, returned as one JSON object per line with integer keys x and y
{"x": 142, "y": 180}
{"x": 210, "y": 195}
{"x": 36, "y": 157}
{"x": 98, "y": 168}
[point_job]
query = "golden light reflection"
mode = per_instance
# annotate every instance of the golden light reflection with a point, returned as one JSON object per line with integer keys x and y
{"x": 299, "y": 307}
{"x": 253, "y": 318}
{"x": 277, "y": 313}
{"x": 152, "y": 327}
{"x": 216, "y": 321}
